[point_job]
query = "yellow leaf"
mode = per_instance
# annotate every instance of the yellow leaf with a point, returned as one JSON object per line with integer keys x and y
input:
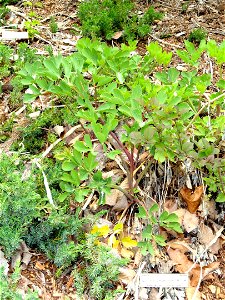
{"x": 113, "y": 242}
{"x": 100, "y": 230}
{"x": 128, "y": 242}
{"x": 118, "y": 228}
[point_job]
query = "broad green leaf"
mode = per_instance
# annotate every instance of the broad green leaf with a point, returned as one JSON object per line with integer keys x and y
{"x": 112, "y": 154}
{"x": 90, "y": 162}
{"x": 68, "y": 165}
{"x": 147, "y": 232}
{"x": 220, "y": 198}
{"x": 81, "y": 147}
{"x": 160, "y": 240}
{"x": 153, "y": 208}
{"x": 66, "y": 187}
{"x": 141, "y": 213}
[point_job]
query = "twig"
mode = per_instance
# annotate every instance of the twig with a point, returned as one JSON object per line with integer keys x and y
{"x": 165, "y": 43}
{"x": 59, "y": 140}
{"x": 48, "y": 191}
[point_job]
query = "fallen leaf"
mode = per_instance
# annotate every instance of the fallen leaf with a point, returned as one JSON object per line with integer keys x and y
{"x": 180, "y": 245}
{"x": 190, "y": 221}
{"x": 39, "y": 266}
{"x": 111, "y": 198}
{"x": 154, "y": 294}
{"x": 126, "y": 275}
{"x": 58, "y": 129}
{"x": 170, "y": 205}
{"x": 198, "y": 272}
{"x": 205, "y": 235}
{"x": 180, "y": 260}
{"x": 191, "y": 291}
{"x": 192, "y": 198}
{"x": 117, "y": 35}
{"x": 126, "y": 253}
{"x": 121, "y": 203}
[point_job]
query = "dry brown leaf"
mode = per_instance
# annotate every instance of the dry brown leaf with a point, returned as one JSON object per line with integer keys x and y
{"x": 205, "y": 235}
{"x": 180, "y": 260}
{"x": 198, "y": 272}
{"x": 39, "y": 266}
{"x": 121, "y": 203}
{"x": 180, "y": 213}
{"x": 190, "y": 221}
{"x": 58, "y": 129}
{"x": 192, "y": 198}
{"x": 154, "y": 294}
{"x": 117, "y": 35}
{"x": 126, "y": 253}
{"x": 126, "y": 275}
{"x": 137, "y": 258}
{"x": 182, "y": 246}
{"x": 111, "y": 198}
{"x": 170, "y": 205}
{"x": 190, "y": 291}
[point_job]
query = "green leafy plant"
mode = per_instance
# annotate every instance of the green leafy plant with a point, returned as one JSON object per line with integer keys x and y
{"x": 197, "y": 35}
{"x": 102, "y": 19}
{"x": 150, "y": 236}
{"x": 53, "y": 25}
{"x": 161, "y": 111}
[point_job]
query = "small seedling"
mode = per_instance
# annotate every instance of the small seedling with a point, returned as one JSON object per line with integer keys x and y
{"x": 197, "y": 35}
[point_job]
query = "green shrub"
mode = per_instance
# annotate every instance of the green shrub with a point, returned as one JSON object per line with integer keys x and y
{"x": 197, "y": 35}
{"x": 8, "y": 2}
{"x": 102, "y": 19}
{"x": 19, "y": 204}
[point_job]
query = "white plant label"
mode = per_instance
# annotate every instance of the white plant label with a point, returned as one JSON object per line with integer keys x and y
{"x": 163, "y": 280}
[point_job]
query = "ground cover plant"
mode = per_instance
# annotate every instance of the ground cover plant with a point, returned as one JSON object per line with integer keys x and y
{"x": 135, "y": 113}
{"x": 105, "y": 18}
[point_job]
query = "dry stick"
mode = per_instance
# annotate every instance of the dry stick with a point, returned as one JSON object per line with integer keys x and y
{"x": 203, "y": 107}
{"x": 59, "y": 140}
{"x": 165, "y": 43}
